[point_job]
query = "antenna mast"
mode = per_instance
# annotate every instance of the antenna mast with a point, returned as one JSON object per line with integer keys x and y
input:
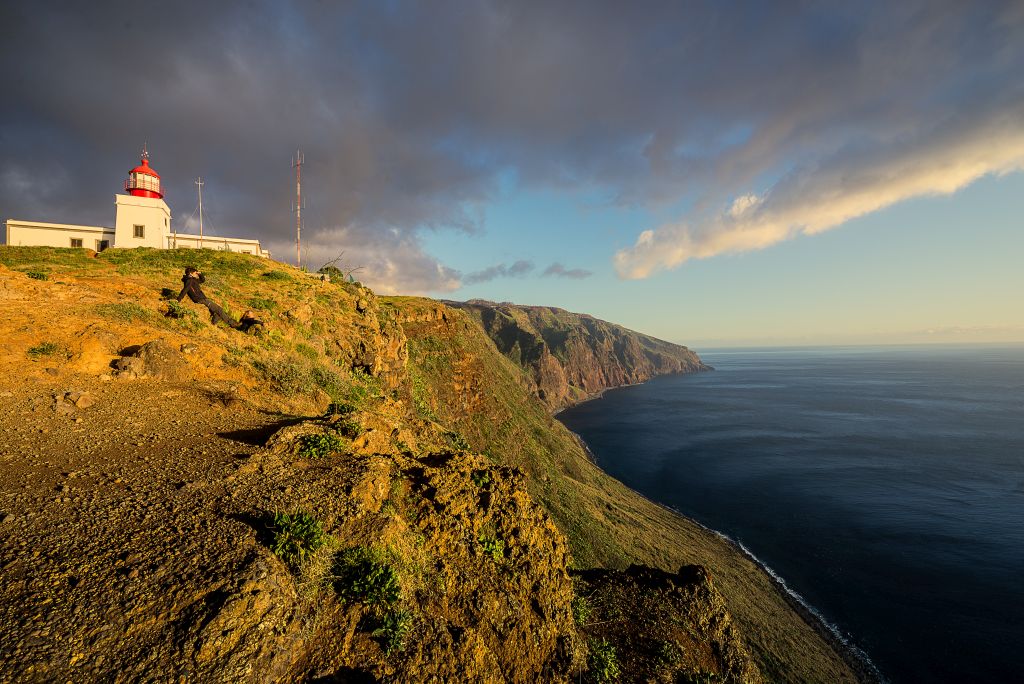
{"x": 297, "y": 163}
{"x": 199, "y": 184}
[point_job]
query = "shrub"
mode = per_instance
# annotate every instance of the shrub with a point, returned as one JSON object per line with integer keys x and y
{"x": 392, "y": 630}
{"x": 262, "y": 303}
{"x": 295, "y": 536}
{"x": 320, "y": 445}
{"x": 179, "y": 311}
{"x": 361, "y": 574}
{"x": 125, "y": 312}
{"x": 493, "y": 547}
{"x": 481, "y": 478}
{"x": 668, "y": 653}
{"x": 37, "y": 275}
{"x": 276, "y": 275}
{"x": 581, "y": 610}
{"x": 44, "y": 349}
{"x": 603, "y": 662}
{"x": 457, "y": 441}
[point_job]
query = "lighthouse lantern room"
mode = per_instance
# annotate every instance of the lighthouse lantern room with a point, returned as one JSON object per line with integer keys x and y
{"x": 143, "y": 181}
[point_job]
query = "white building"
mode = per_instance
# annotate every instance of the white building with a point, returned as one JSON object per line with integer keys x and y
{"x": 141, "y": 219}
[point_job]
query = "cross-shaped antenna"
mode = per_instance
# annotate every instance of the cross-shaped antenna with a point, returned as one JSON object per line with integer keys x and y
{"x": 145, "y": 152}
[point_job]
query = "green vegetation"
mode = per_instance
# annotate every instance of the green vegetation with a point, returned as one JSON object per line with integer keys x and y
{"x": 668, "y": 654}
{"x": 262, "y": 303}
{"x": 457, "y": 441}
{"x": 392, "y": 630}
{"x": 348, "y": 428}
{"x": 37, "y": 275}
{"x": 307, "y": 351}
{"x": 363, "y": 574}
{"x": 481, "y": 478}
{"x": 295, "y": 536}
{"x": 320, "y": 445}
{"x": 276, "y": 275}
{"x": 603, "y": 661}
{"x": 493, "y": 547}
{"x": 126, "y": 312}
{"x": 180, "y": 311}
{"x": 581, "y": 610}
{"x": 45, "y": 349}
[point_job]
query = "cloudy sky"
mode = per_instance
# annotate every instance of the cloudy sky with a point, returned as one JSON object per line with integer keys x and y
{"x": 712, "y": 173}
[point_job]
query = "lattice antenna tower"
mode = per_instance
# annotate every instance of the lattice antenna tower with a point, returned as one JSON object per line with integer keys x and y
{"x": 298, "y": 206}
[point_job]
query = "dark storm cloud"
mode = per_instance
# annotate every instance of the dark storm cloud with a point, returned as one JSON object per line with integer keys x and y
{"x": 516, "y": 270}
{"x": 558, "y": 270}
{"x": 409, "y": 113}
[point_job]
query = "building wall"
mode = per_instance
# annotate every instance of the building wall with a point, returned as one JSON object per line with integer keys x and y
{"x": 152, "y": 214}
{"x": 38, "y": 234}
{"x": 242, "y": 245}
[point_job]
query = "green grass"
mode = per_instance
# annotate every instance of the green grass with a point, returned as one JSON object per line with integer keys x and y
{"x": 320, "y": 445}
{"x": 363, "y": 574}
{"x": 37, "y": 275}
{"x": 126, "y": 312}
{"x": 45, "y": 349}
{"x": 295, "y": 536}
{"x": 603, "y": 662}
{"x": 276, "y": 275}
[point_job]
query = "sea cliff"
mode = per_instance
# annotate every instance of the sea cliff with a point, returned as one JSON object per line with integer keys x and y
{"x": 360, "y": 489}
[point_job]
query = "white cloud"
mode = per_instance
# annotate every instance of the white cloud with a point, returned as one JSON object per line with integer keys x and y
{"x": 848, "y": 185}
{"x": 388, "y": 262}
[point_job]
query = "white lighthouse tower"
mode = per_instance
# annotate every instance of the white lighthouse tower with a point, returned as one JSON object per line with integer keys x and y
{"x": 143, "y": 219}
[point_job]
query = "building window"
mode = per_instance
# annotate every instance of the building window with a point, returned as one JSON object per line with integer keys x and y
{"x": 140, "y": 231}
{"x": 76, "y": 242}
{"x": 246, "y": 251}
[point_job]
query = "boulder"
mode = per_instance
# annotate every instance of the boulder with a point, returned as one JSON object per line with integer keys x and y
{"x": 156, "y": 359}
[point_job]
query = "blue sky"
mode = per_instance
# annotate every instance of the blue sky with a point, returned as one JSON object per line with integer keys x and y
{"x": 930, "y": 269}
{"x": 712, "y": 173}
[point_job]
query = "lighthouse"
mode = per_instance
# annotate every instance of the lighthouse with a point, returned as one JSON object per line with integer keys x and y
{"x": 143, "y": 180}
{"x": 142, "y": 218}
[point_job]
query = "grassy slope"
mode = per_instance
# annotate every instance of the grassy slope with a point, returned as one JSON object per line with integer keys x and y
{"x": 481, "y": 393}
{"x": 456, "y": 376}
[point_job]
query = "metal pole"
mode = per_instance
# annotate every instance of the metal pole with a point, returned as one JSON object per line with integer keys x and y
{"x": 299, "y": 160}
{"x": 199, "y": 183}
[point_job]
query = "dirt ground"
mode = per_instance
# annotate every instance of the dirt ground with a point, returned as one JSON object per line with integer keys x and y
{"x": 87, "y": 498}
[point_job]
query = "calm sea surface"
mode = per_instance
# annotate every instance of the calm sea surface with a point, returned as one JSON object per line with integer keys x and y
{"x": 885, "y": 485}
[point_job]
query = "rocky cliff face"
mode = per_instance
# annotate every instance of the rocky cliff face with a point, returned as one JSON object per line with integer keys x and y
{"x": 570, "y": 357}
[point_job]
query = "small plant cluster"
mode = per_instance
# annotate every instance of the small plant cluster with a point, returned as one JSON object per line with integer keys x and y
{"x": 348, "y": 428}
{"x": 581, "y": 610}
{"x": 319, "y": 445}
{"x": 45, "y": 349}
{"x": 457, "y": 441}
{"x": 363, "y": 574}
{"x": 276, "y": 275}
{"x": 481, "y": 479}
{"x": 37, "y": 275}
{"x": 339, "y": 408}
{"x": 603, "y": 661}
{"x": 295, "y": 536}
{"x": 494, "y": 547}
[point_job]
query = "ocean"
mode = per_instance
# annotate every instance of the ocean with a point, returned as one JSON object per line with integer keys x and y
{"x": 884, "y": 485}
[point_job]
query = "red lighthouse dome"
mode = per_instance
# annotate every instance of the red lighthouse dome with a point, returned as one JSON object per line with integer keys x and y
{"x": 143, "y": 181}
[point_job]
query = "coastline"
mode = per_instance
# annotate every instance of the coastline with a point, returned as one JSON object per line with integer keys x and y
{"x": 855, "y": 657}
